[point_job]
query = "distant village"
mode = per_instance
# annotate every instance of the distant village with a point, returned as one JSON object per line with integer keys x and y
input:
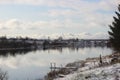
{"x": 20, "y": 43}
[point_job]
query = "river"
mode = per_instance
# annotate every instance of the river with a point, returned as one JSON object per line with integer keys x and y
{"x": 33, "y": 65}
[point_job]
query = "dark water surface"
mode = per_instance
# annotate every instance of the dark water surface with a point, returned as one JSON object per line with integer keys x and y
{"x": 32, "y": 65}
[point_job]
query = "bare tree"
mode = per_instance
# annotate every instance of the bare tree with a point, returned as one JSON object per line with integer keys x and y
{"x": 3, "y": 75}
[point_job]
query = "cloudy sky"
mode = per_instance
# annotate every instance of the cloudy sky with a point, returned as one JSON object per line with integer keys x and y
{"x": 53, "y": 18}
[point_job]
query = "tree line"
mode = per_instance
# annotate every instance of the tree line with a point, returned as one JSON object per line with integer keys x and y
{"x": 15, "y": 43}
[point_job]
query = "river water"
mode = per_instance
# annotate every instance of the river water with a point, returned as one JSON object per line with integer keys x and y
{"x": 34, "y": 65}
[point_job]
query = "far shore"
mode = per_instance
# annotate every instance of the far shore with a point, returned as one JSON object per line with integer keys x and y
{"x": 14, "y": 48}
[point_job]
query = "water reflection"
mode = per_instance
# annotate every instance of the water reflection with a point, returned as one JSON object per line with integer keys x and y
{"x": 14, "y": 52}
{"x": 6, "y": 53}
{"x": 34, "y": 64}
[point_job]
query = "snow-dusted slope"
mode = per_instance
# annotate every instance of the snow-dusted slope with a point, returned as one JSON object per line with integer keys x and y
{"x": 111, "y": 72}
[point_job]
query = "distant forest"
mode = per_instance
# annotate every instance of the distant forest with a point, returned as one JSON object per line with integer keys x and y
{"x": 15, "y": 43}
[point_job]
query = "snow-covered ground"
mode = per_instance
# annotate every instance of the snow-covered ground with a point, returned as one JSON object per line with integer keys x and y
{"x": 111, "y": 72}
{"x": 91, "y": 69}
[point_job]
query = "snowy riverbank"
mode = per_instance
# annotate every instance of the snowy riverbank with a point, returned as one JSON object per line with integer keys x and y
{"x": 111, "y": 72}
{"x": 89, "y": 69}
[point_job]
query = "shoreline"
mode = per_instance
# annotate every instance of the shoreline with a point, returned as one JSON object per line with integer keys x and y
{"x": 82, "y": 65}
